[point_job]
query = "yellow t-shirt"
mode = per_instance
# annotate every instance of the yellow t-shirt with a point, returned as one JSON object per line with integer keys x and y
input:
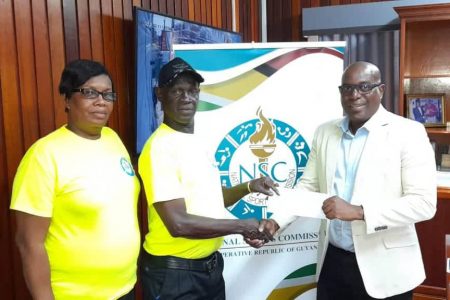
{"x": 89, "y": 190}
{"x": 175, "y": 165}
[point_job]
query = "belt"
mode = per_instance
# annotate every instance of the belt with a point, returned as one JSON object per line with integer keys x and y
{"x": 207, "y": 264}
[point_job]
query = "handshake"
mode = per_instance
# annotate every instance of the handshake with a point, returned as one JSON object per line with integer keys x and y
{"x": 256, "y": 234}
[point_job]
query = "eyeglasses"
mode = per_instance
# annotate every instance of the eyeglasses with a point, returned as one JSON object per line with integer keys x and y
{"x": 190, "y": 93}
{"x": 362, "y": 88}
{"x": 90, "y": 93}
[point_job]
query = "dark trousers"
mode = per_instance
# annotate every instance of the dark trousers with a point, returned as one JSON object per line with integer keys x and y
{"x": 164, "y": 283}
{"x": 340, "y": 278}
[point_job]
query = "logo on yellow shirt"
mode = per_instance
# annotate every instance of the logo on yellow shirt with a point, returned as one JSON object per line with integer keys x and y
{"x": 126, "y": 166}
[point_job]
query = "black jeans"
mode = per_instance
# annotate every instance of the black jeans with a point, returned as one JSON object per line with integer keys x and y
{"x": 340, "y": 278}
{"x": 159, "y": 283}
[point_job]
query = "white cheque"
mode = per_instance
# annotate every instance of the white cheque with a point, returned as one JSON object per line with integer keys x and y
{"x": 299, "y": 203}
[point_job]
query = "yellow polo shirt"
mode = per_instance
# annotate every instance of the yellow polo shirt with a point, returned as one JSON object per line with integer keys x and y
{"x": 89, "y": 190}
{"x": 175, "y": 165}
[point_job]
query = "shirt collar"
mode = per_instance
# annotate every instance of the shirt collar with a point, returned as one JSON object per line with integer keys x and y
{"x": 378, "y": 119}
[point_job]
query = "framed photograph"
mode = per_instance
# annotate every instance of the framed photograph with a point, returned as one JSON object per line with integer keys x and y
{"x": 428, "y": 109}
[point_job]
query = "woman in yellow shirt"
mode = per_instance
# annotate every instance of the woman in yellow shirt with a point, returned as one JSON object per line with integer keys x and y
{"x": 75, "y": 199}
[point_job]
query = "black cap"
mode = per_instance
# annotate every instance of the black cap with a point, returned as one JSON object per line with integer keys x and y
{"x": 175, "y": 67}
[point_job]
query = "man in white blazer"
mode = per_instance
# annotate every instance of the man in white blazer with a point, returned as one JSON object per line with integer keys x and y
{"x": 380, "y": 167}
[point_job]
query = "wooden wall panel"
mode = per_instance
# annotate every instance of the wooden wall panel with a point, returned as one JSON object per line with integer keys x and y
{"x": 237, "y": 12}
{"x": 248, "y": 20}
{"x": 27, "y": 75}
{"x": 218, "y": 20}
{"x": 295, "y": 24}
{"x": 6, "y": 263}
{"x": 214, "y": 12}
{"x": 127, "y": 98}
{"x": 109, "y": 51}
{"x": 162, "y": 6}
{"x": 203, "y": 13}
{"x": 185, "y": 9}
{"x": 12, "y": 126}
{"x": 122, "y": 109}
{"x": 315, "y": 3}
{"x": 83, "y": 22}
{"x": 178, "y": 8}
{"x": 197, "y": 11}
{"x": 209, "y": 12}
{"x": 154, "y": 5}
{"x": 227, "y": 13}
{"x": 44, "y": 84}
{"x": 273, "y": 31}
{"x": 96, "y": 32}
{"x": 70, "y": 29}
{"x": 280, "y": 19}
{"x": 118, "y": 56}
{"x": 191, "y": 10}
{"x": 57, "y": 54}
{"x": 286, "y": 20}
{"x": 37, "y": 39}
{"x": 256, "y": 20}
{"x": 12, "y": 148}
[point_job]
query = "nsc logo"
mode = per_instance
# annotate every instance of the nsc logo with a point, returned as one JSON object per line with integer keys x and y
{"x": 260, "y": 147}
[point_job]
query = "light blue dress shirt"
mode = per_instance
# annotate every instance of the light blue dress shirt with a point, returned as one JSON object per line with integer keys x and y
{"x": 348, "y": 158}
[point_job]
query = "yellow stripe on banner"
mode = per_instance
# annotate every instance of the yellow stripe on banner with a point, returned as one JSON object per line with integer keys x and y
{"x": 237, "y": 87}
{"x": 290, "y": 292}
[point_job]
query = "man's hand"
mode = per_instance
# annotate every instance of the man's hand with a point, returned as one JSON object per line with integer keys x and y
{"x": 251, "y": 231}
{"x": 255, "y": 243}
{"x": 264, "y": 185}
{"x": 266, "y": 230}
{"x": 337, "y": 208}
{"x": 269, "y": 227}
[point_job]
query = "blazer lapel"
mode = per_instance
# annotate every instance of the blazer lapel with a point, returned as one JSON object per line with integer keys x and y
{"x": 332, "y": 150}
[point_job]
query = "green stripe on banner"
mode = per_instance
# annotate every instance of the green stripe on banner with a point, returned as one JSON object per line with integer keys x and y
{"x": 205, "y": 106}
{"x": 304, "y": 271}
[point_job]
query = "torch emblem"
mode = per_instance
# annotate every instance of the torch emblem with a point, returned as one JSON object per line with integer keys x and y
{"x": 262, "y": 142}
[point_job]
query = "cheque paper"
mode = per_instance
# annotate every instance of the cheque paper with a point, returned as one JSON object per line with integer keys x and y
{"x": 298, "y": 202}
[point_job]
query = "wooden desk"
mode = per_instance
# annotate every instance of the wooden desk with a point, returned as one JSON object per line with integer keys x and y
{"x": 432, "y": 237}
{"x": 447, "y": 247}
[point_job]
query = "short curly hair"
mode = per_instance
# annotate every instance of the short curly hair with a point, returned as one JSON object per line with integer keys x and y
{"x": 78, "y": 72}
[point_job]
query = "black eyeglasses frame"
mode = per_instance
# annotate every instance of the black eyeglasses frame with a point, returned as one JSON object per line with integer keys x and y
{"x": 105, "y": 95}
{"x": 357, "y": 87}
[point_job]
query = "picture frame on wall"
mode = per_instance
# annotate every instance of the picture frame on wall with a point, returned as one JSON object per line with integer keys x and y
{"x": 428, "y": 109}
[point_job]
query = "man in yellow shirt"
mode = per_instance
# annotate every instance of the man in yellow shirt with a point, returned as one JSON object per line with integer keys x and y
{"x": 186, "y": 200}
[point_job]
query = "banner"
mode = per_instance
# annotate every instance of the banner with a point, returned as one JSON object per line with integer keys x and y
{"x": 155, "y": 34}
{"x": 259, "y": 107}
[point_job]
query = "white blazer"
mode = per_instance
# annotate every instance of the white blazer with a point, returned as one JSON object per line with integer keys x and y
{"x": 396, "y": 185}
